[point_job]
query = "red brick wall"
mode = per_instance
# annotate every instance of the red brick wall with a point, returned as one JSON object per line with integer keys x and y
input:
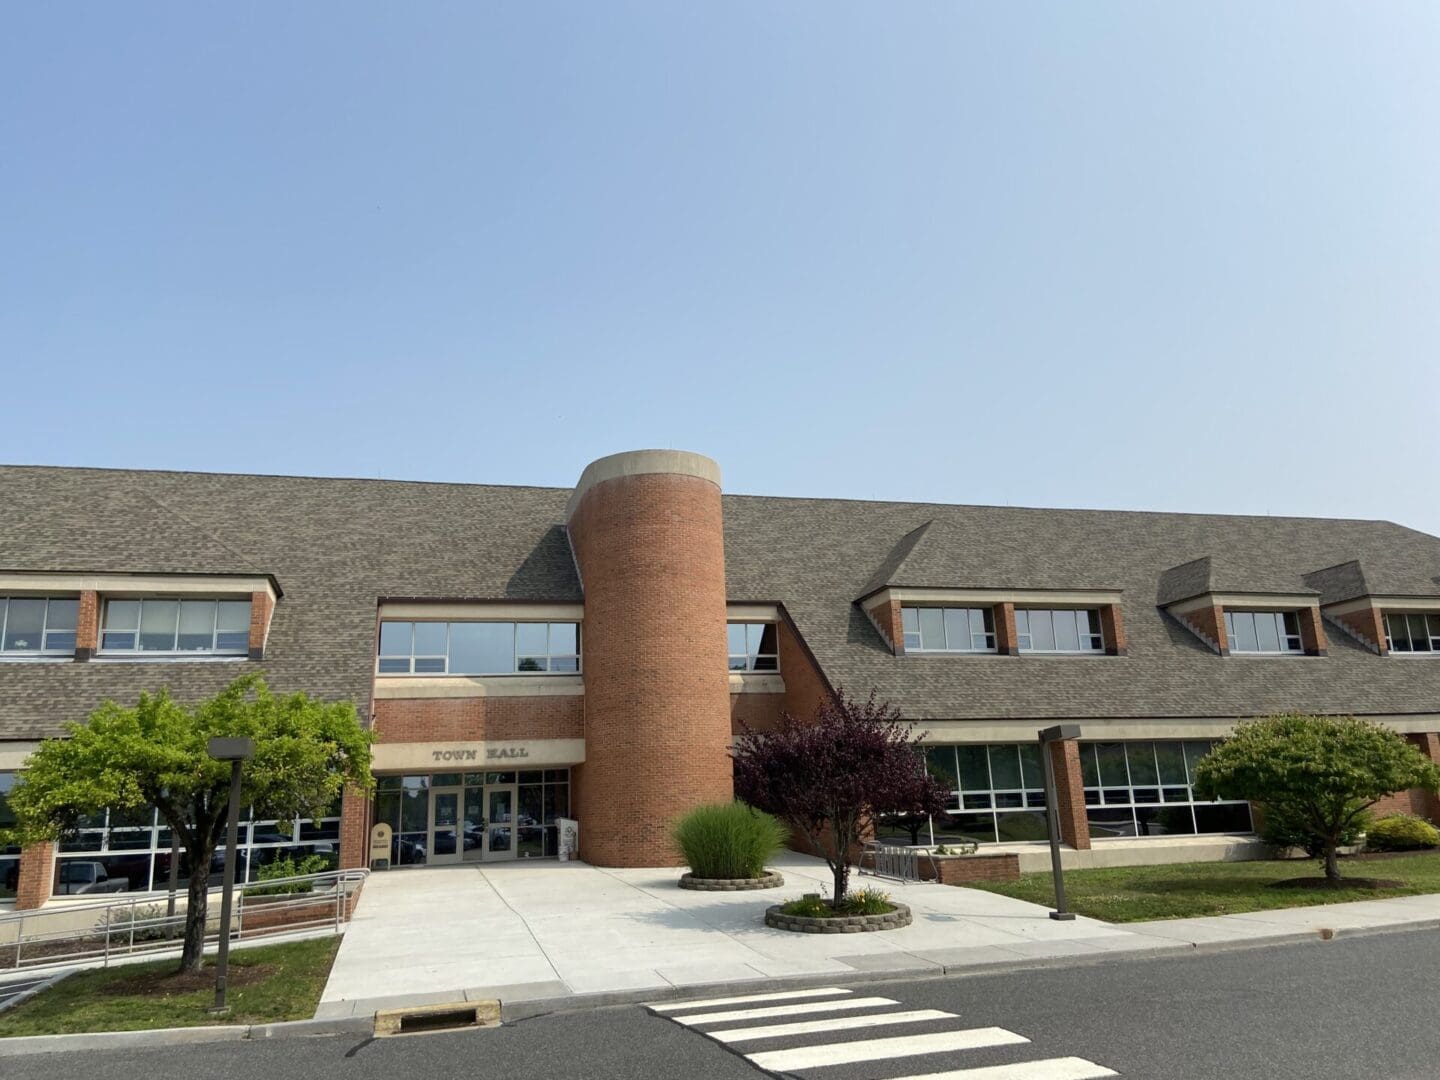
{"x": 805, "y": 684}
{"x": 473, "y": 719}
{"x": 1368, "y": 624}
{"x": 1007, "y": 640}
{"x": 354, "y": 828}
{"x": 888, "y": 620}
{"x": 651, "y": 554}
{"x": 759, "y": 711}
{"x": 968, "y": 868}
{"x": 260, "y": 610}
{"x": 87, "y": 625}
{"x": 1210, "y": 621}
{"x": 1112, "y": 625}
{"x": 1070, "y": 794}
{"x": 37, "y": 869}
{"x": 1312, "y": 633}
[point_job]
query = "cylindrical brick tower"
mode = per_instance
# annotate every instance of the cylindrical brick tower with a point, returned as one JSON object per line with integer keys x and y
{"x": 648, "y": 536}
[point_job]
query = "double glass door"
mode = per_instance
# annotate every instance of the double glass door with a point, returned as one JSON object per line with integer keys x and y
{"x": 471, "y": 824}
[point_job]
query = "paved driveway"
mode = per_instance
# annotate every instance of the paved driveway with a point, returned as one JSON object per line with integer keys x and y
{"x": 546, "y": 929}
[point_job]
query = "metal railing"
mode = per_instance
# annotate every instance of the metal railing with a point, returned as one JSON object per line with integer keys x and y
{"x": 893, "y": 861}
{"x": 94, "y": 934}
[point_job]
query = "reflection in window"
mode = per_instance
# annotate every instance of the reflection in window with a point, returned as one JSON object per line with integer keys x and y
{"x": 753, "y": 646}
{"x": 1062, "y": 630}
{"x": 38, "y": 625}
{"x": 1263, "y": 631}
{"x": 478, "y": 648}
{"x": 1144, "y": 789}
{"x": 9, "y": 855}
{"x": 948, "y": 629}
{"x": 543, "y": 795}
{"x": 997, "y": 791}
{"x": 219, "y": 627}
{"x": 1412, "y": 632}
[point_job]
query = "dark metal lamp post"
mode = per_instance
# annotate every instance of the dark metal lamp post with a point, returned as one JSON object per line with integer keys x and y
{"x": 234, "y": 751}
{"x": 1049, "y": 735}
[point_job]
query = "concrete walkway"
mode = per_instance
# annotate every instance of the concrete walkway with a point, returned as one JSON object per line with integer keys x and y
{"x": 525, "y": 932}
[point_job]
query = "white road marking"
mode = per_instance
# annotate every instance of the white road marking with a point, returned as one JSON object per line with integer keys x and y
{"x": 846, "y": 1053}
{"x": 709, "y": 1002}
{"x": 834, "y": 1023}
{"x": 783, "y": 1010}
{"x": 1066, "y": 1068}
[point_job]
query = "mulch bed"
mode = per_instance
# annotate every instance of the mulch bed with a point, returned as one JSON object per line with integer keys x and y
{"x": 152, "y": 984}
{"x": 1343, "y": 883}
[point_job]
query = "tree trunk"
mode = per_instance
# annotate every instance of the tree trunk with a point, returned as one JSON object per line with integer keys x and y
{"x": 841, "y": 868}
{"x": 1332, "y": 865}
{"x": 196, "y": 910}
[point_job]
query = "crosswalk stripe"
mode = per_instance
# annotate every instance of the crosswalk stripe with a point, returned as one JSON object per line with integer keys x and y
{"x": 709, "y": 1002}
{"x": 783, "y": 1010}
{"x": 846, "y": 1053}
{"x": 834, "y": 1023}
{"x": 1066, "y": 1068}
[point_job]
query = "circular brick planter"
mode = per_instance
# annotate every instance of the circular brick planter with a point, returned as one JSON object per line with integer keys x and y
{"x": 840, "y": 924}
{"x": 770, "y": 880}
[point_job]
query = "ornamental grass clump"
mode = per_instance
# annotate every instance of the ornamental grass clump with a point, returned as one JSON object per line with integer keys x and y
{"x": 728, "y": 840}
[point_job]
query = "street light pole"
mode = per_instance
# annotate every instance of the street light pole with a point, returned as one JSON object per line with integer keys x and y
{"x": 1052, "y": 813}
{"x": 234, "y": 751}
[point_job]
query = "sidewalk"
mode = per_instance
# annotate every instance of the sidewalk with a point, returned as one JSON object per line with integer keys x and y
{"x": 554, "y": 930}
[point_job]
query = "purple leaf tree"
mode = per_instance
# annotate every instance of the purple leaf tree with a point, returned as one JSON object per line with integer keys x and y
{"x": 832, "y": 777}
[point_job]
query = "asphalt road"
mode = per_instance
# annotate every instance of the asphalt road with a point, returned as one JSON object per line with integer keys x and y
{"x": 1350, "y": 1009}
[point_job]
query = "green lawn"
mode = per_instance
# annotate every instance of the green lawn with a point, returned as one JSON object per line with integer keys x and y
{"x": 266, "y": 984}
{"x": 1136, "y": 893}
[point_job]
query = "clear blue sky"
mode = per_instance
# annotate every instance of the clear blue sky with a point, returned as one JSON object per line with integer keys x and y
{"x": 1136, "y": 255}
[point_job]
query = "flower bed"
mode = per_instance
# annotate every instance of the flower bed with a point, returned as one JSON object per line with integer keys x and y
{"x": 771, "y": 879}
{"x": 838, "y": 922}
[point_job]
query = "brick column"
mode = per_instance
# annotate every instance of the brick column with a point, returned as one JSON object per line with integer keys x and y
{"x": 1312, "y": 634}
{"x": 1368, "y": 625}
{"x": 1070, "y": 794}
{"x": 354, "y": 829}
{"x": 260, "y": 609}
{"x": 37, "y": 873}
{"x": 1007, "y": 640}
{"x": 87, "y": 625}
{"x": 1112, "y": 625}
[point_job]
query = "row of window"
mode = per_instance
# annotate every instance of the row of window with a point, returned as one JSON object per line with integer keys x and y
{"x": 478, "y": 648}
{"x": 1041, "y": 630}
{"x": 1263, "y": 631}
{"x": 46, "y": 626}
{"x": 1412, "y": 633}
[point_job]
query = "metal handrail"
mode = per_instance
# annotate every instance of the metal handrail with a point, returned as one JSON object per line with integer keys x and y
{"x": 323, "y": 904}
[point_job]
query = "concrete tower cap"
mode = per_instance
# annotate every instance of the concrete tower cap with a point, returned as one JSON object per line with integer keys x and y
{"x": 640, "y": 463}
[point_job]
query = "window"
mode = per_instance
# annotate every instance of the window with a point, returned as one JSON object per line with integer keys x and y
{"x": 1263, "y": 631}
{"x": 997, "y": 791}
{"x": 1143, "y": 789}
{"x": 135, "y": 846}
{"x": 948, "y": 629}
{"x": 1059, "y": 631}
{"x": 38, "y": 625}
{"x": 9, "y": 855}
{"x": 479, "y": 648}
{"x": 218, "y": 627}
{"x": 1412, "y": 633}
{"x": 753, "y": 647}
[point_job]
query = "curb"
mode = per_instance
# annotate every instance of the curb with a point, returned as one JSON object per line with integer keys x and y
{"x": 364, "y": 1025}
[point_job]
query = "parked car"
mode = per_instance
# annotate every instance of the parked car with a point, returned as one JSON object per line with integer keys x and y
{"x": 82, "y": 877}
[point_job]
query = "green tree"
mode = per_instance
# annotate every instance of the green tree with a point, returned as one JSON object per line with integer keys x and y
{"x": 154, "y": 754}
{"x": 1319, "y": 773}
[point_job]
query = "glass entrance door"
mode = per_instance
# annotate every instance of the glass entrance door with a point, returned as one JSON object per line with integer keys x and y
{"x": 445, "y": 844}
{"x": 499, "y": 823}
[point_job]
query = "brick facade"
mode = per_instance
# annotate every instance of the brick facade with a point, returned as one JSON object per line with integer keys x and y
{"x": 806, "y": 687}
{"x": 1007, "y": 638}
{"x": 1312, "y": 632}
{"x": 760, "y": 712}
{"x": 354, "y": 828}
{"x": 650, "y": 548}
{"x": 1070, "y": 794}
{"x": 479, "y": 718}
{"x": 886, "y": 618}
{"x": 37, "y": 873}
{"x": 1112, "y": 626}
{"x": 1209, "y": 623}
{"x": 87, "y": 625}
{"x": 261, "y": 608}
{"x": 1367, "y": 625}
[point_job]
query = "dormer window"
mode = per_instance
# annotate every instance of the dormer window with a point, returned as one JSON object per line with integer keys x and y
{"x": 1411, "y": 632}
{"x": 754, "y": 646}
{"x": 38, "y": 625}
{"x": 174, "y": 626}
{"x": 948, "y": 629}
{"x": 1064, "y": 630}
{"x": 1273, "y": 632}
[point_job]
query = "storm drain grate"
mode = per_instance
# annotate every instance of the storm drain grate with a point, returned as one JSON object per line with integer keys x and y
{"x": 428, "y": 1018}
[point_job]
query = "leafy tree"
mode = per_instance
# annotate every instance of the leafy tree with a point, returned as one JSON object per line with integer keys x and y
{"x": 831, "y": 778}
{"x": 154, "y": 754}
{"x": 1317, "y": 774}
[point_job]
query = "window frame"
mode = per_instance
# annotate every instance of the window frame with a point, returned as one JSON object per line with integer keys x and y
{"x": 911, "y": 614}
{"x": 1102, "y": 790}
{"x": 751, "y": 658}
{"x": 46, "y": 631}
{"x": 516, "y": 656}
{"x": 1431, "y": 623}
{"x": 135, "y": 650}
{"x": 1022, "y": 636}
{"x": 1281, "y": 618}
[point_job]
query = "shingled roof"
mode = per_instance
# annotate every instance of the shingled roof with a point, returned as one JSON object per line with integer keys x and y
{"x": 336, "y": 546}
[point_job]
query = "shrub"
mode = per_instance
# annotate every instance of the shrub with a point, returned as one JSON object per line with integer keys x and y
{"x": 809, "y": 907}
{"x": 147, "y": 922}
{"x": 1286, "y": 829}
{"x": 287, "y": 867}
{"x": 1402, "y": 832}
{"x": 728, "y": 840}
